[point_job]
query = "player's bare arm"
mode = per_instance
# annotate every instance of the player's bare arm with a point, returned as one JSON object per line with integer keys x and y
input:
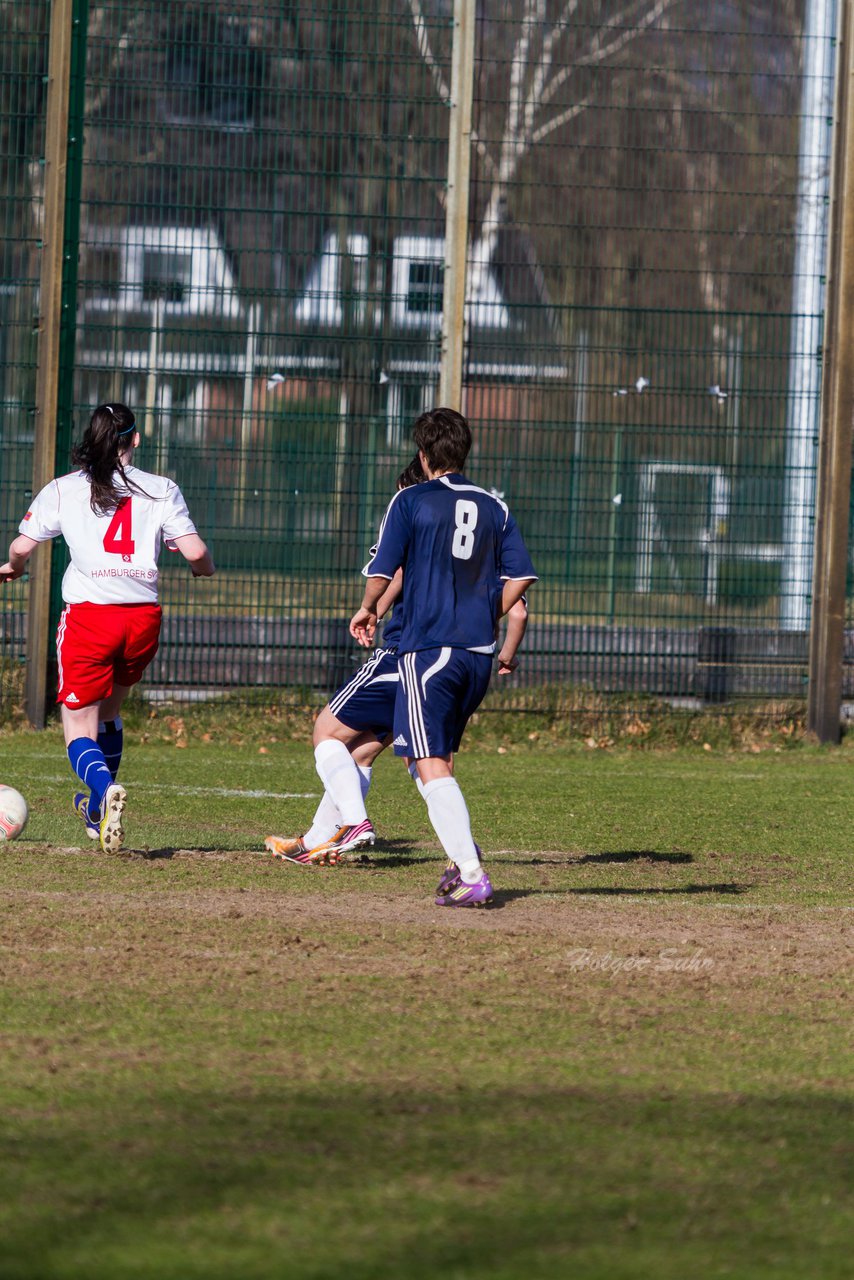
{"x": 390, "y": 595}
{"x": 517, "y": 624}
{"x": 19, "y": 553}
{"x": 195, "y": 552}
{"x": 364, "y": 621}
{"x": 514, "y": 589}
{"x": 385, "y": 602}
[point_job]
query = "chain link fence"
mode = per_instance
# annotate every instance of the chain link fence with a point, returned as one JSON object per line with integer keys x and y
{"x": 260, "y": 267}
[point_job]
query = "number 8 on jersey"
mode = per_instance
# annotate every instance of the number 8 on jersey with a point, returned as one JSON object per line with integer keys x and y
{"x": 465, "y": 520}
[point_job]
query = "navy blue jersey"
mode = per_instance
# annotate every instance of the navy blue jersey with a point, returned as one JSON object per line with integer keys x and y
{"x": 393, "y": 626}
{"x": 455, "y": 543}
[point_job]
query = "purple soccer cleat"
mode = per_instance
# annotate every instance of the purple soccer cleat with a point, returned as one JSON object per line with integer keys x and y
{"x": 450, "y": 877}
{"x": 468, "y": 895}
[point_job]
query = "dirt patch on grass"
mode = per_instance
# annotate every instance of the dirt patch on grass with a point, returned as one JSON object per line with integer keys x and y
{"x": 245, "y": 976}
{"x": 386, "y": 929}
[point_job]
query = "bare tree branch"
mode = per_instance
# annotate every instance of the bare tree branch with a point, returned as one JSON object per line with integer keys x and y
{"x": 558, "y": 121}
{"x": 599, "y": 53}
{"x": 541, "y": 71}
{"x": 422, "y": 40}
{"x": 521, "y": 131}
{"x": 518, "y": 67}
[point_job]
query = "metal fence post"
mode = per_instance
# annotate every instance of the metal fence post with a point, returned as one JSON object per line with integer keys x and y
{"x": 837, "y": 407}
{"x": 49, "y": 324}
{"x": 253, "y": 321}
{"x": 457, "y": 207}
{"x": 70, "y": 267}
{"x": 803, "y": 410}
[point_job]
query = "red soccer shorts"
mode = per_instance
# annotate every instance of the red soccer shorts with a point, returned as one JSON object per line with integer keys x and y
{"x": 99, "y": 645}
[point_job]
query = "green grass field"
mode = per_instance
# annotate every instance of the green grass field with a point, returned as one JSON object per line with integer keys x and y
{"x": 634, "y": 1066}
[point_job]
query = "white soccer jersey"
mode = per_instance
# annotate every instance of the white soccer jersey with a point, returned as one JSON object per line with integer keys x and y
{"x": 113, "y": 557}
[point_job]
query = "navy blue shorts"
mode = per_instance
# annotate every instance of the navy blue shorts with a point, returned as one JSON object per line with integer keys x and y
{"x": 367, "y": 700}
{"x": 439, "y": 690}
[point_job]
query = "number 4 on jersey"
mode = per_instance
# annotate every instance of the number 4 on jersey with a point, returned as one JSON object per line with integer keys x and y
{"x": 118, "y": 540}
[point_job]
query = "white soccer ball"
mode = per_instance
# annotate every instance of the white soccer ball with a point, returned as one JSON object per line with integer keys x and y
{"x": 13, "y": 813}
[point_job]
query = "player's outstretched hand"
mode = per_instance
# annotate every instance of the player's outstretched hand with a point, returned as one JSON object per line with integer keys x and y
{"x": 8, "y": 574}
{"x": 363, "y": 627}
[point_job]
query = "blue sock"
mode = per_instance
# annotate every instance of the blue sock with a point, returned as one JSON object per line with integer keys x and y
{"x": 87, "y": 761}
{"x": 111, "y": 740}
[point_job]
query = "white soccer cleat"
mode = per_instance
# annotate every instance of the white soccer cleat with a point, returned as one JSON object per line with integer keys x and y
{"x": 112, "y": 810}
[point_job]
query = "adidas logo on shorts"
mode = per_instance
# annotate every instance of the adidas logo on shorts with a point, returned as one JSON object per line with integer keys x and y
{"x": 400, "y": 741}
{"x": 72, "y": 698}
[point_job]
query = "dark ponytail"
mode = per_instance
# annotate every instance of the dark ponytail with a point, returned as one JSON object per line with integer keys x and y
{"x": 110, "y": 430}
{"x": 412, "y": 473}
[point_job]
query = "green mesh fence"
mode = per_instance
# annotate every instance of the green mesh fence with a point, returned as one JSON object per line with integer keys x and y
{"x": 259, "y": 275}
{"x": 23, "y": 66}
{"x": 636, "y": 199}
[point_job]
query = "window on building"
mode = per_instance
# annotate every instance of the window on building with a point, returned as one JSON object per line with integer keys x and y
{"x": 426, "y": 283}
{"x": 184, "y": 269}
{"x": 417, "y": 281}
{"x": 166, "y": 276}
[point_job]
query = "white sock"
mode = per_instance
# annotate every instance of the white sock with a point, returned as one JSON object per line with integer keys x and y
{"x": 365, "y": 771}
{"x": 340, "y": 776}
{"x": 450, "y": 818}
{"x": 326, "y": 822}
{"x": 327, "y": 818}
{"x": 413, "y": 773}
